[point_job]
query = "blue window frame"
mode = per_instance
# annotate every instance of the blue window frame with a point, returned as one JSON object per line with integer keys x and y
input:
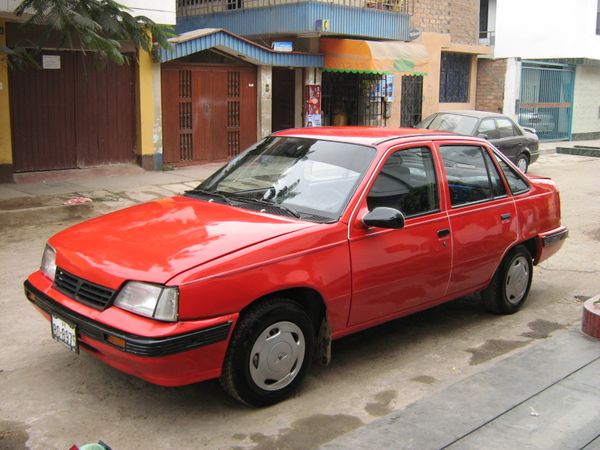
{"x": 454, "y": 77}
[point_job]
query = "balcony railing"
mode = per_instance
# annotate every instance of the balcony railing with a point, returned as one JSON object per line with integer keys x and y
{"x": 186, "y": 8}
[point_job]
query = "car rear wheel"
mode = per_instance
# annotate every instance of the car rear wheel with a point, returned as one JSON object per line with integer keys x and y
{"x": 523, "y": 162}
{"x": 269, "y": 353}
{"x": 510, "y": 285}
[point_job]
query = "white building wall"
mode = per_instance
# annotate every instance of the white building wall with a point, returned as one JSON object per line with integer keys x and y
{"x": 545, "y": 29}
{"x": 160, "y": 11}
{"x": 512, "y": 86}
{"x": 586, "y": 104}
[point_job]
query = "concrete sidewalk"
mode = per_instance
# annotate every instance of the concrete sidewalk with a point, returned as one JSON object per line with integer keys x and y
{"x": 544, "y": 397}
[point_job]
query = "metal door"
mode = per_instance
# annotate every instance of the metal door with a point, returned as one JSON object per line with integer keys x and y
{"x": 72, "y": 115}
{"x": 411, "y": 101}
{"x": 209, "y": 112}
{"x": 546, "y": 100}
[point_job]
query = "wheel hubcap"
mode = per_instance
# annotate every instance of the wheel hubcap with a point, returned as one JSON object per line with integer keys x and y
{"x": 277, "y": 356}
{"x": 522, "y": 164}
{"x": 517, "y": 279}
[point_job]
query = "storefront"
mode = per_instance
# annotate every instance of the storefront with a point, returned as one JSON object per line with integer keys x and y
{"x": 360, "y": 79}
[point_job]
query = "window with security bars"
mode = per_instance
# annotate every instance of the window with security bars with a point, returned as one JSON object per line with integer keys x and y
{"x": 454, "y": 77}
{"x": 185, "y": 116}
{"x": 233, "y": 113}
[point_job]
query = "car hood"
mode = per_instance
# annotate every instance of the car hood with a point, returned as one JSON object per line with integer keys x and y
{"x": 157, "y": 240}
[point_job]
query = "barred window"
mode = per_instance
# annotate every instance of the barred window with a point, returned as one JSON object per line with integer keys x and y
{"x": 454, "y": 77}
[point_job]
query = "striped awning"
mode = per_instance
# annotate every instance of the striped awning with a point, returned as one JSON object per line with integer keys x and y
{"x": 378, "y": 57}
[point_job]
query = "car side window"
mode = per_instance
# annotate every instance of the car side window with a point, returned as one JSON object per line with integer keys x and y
{"x": 488, "y": 127}
{"x": 515, "y": 182}
{"x": 407, "y": 182}
{"x": 498, "y": 189}
{"x": 470, "y": 178}
{"x": 505, "y": 128}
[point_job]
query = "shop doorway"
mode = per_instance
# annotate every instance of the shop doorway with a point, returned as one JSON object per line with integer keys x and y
{"x": 284, "y": 85}
{"x": 209, "y": 111}
{"x": 354, "y": 99}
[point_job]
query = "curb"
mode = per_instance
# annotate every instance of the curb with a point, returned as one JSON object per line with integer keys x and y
{"x": 580, "y": 151}
{"x": 44, "y": 214}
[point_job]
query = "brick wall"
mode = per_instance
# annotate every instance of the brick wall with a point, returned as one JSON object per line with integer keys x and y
{"x": 459, "y": 18}
{"x": 491, "y": 74}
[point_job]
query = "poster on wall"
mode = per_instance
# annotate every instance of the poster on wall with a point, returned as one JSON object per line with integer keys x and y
{"x": 313, "y": 120}
{"x": 312, "y": 105}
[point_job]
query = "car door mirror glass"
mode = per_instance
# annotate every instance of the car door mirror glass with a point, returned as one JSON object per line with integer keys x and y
{"x": 384, "y": 217}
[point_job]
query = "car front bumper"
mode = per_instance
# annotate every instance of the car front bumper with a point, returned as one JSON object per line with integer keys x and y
{"x": 162, "y": 355}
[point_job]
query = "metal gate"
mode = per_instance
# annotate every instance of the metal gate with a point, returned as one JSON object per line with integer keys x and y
{"x": 411, "y": 101}
{"x": 72, "y": 115}
{"x": 546, "y": 100}
{"x": 354, "y": 99}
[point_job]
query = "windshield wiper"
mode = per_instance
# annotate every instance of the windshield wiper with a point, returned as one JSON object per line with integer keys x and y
{"x": 205, "y": 193}
{"x": 279, "y": 206}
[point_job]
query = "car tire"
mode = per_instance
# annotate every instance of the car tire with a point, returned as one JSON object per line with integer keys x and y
{"x": 269, "y": 353}
{"x": 510, "y": 284}
{"x": 522, "y": 162}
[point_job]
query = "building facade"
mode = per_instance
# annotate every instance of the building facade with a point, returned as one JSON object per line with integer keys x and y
{"x": 317, "y": 63}
{"x": 239, "y": 70}
{"x": 544, "y": 69}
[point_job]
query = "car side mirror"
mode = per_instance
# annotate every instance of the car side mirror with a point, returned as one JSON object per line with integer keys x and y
{"x": 483, "y": 136}
{"x": 383, "y": 217}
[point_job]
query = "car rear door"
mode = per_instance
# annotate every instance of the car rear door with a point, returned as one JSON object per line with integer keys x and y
{"x": 510, "y": 141}
{"x": 399, "y": 270}
{"x": 482, "y": 215}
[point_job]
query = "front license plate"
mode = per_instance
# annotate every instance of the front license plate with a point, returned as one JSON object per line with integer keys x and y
{"x": 65, "y": 333}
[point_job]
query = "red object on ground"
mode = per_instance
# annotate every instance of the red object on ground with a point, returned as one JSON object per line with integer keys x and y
{"x": 591, "y": 317}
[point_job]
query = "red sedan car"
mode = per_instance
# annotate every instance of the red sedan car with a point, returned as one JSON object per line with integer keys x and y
{"x": 307, "y": 236}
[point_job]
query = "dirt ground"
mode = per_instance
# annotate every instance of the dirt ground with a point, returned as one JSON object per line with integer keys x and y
{"x": 52, "y": 398}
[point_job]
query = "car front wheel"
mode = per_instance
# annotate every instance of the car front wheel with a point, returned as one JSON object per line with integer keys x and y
{"x": 269, "y": 353}
{"x": 510, "y": 284}
{"x": 523, "y": 162}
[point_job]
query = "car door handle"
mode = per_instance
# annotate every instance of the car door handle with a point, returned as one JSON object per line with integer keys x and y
{"x": 443, "y": 232}
{"x": 505, "y": 216}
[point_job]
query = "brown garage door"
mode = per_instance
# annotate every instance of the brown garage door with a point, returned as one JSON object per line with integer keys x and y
{"x": 72, "y": 115}
{"x": 209, "y": 112}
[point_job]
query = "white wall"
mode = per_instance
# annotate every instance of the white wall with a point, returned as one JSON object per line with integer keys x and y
{"x": 160, "y": 11}
{"x": 586, "y": 104}
{"x": 546, "y": 29}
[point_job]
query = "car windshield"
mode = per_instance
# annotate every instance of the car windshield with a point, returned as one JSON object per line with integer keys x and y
{"x": 451, "y": 122}
{"x": 307, "y": 178}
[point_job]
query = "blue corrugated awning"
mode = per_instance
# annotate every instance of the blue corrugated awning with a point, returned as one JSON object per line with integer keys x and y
{"x": 206, "y": 38}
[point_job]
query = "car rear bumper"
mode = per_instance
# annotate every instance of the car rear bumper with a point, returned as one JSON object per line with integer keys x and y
{"x": 550, "y": 242}
{"x": 168, "y": 360}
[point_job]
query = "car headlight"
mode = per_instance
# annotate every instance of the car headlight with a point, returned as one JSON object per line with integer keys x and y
{"x": 48, "y": 266}
{"x": 150, "y": 300}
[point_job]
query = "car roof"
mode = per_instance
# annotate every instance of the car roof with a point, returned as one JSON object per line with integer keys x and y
{"x": 358, "y": 135}
{"x": 471, "y": 113}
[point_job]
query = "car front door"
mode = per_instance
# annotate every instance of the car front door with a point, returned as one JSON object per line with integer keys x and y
{"x": 483, "y": 219}
{"x": 399, "y": 270}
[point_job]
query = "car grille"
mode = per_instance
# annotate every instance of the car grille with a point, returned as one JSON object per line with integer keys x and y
{"x": 82, "y": 290}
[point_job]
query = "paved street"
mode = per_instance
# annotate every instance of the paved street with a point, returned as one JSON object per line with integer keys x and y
{"x": 52, "y": 399}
